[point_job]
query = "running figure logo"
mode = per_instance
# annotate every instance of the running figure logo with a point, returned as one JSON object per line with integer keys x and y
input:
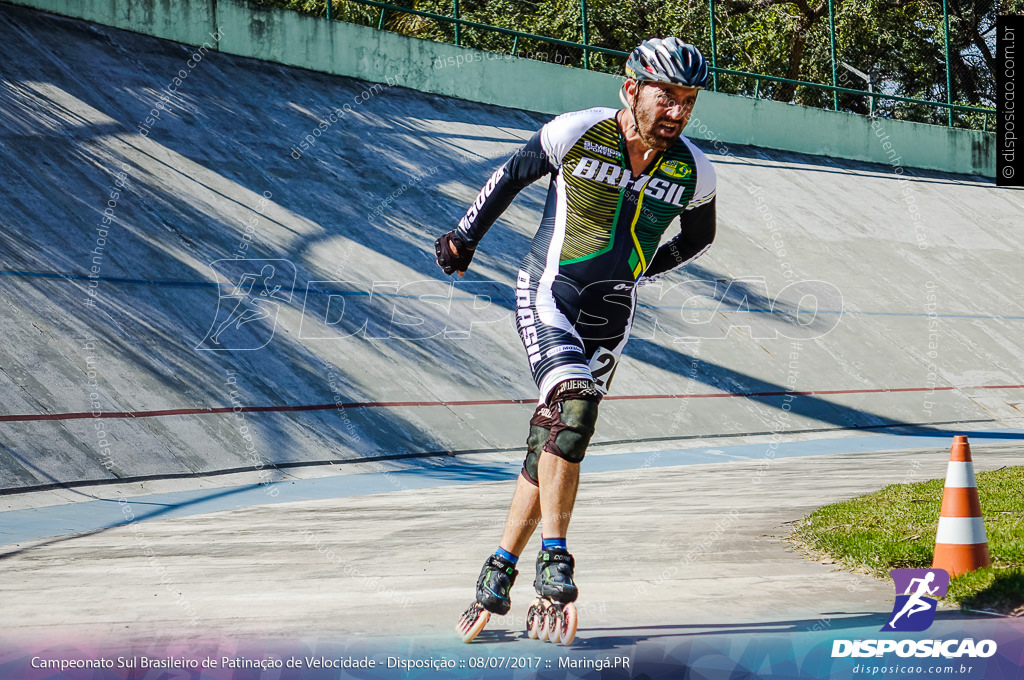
{"x": 250, "y": 295}
{"x": 914, "y": 611}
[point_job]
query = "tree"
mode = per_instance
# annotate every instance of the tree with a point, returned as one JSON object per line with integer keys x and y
{"x": 899, "y": 43}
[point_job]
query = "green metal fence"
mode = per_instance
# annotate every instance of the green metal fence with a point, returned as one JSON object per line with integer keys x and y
{"x": 970, "y": 116}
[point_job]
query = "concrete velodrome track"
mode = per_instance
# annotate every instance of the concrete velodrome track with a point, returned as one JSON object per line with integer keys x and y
{"x": 340, "y": 466}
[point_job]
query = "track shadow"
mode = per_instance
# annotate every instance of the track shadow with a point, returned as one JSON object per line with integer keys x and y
{"x": 156, "y": 513}
{"x": 190, "y": 192}
{"x": 772, "y": 394}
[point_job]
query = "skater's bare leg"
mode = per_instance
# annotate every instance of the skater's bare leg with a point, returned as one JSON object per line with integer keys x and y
{"x": 559, "y": 479}
{"x": 498, "y": 574}
{"x": 523, "y": 517}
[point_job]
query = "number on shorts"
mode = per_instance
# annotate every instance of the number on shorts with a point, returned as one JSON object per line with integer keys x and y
{"x": 602, "y": 368}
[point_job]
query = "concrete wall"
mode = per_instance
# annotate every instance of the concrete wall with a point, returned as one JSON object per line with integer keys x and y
{"x": 184, "y": 21}
{"x": 378, "y": 56}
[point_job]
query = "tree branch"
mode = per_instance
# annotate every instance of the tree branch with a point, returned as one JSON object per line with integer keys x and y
{"x": 744, "y": 6}
{"x": 979, "y": 42}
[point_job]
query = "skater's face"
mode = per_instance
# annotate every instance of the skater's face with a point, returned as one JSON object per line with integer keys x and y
{"x": 662, "y": 111}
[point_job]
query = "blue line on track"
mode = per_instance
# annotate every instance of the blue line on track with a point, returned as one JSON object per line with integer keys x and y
{"x": 105, "y": 513}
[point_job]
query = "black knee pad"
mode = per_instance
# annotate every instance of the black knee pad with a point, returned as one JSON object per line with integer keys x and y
{"x": 569, "y": 439}
{"x": 534, "y": 445}
{"x": 571, "y": 419}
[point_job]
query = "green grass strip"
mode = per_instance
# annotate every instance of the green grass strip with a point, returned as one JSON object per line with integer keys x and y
{"x": 895, "y": 528}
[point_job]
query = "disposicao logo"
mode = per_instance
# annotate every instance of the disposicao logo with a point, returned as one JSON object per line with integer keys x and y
{"x": 677, "y": 169}
{"x": 949, "y": 649}
{"x": 914, "y": 611}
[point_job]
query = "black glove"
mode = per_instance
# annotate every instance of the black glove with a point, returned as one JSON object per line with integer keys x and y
{"x": 453, "y": 253}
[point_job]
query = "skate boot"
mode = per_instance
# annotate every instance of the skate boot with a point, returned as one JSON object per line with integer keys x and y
{"x": 552, "y": 616}
{"x": 492, "y": 588}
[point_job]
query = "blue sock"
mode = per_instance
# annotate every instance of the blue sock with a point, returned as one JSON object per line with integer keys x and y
{"x": 549, "y": 543}
{"x": 501, "y": 552}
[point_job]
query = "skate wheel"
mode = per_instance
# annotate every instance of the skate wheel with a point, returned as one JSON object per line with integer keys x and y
{"x": 472, "y": 622}
{"x": 544, "y": 630}
{"x": 555, "y": 620}
{"x": 548, "y": 624}
{"x": 534, "y": 620}
{"x": 570, "y": 619}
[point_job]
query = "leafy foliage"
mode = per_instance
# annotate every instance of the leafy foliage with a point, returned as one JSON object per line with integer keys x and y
{"x": 899, "y": 44}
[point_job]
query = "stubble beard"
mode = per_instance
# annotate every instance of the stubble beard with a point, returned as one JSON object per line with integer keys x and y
{"x": 647, "y": 129}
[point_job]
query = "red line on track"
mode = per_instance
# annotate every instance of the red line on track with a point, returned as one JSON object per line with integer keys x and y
{"x": 492, "y": 402}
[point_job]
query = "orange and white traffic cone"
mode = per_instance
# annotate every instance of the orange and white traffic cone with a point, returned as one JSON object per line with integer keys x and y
{"x": 960, "y": 544}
